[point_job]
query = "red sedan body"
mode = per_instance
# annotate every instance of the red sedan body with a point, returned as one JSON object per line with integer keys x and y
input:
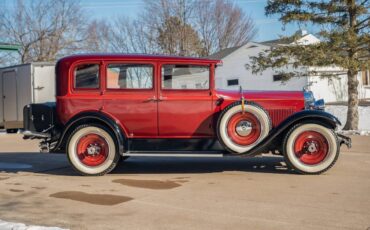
{"x": 158, "y": 112}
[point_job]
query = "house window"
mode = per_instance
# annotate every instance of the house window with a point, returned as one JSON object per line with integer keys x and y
{"x": 232, "y": 82}
{"x": 365, "y": 78}
{"x": 278, "y": 77}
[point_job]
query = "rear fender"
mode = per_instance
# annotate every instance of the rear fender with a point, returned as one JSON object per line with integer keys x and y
{"x": 91, "y": 117}
{"x": 314, "y": 116}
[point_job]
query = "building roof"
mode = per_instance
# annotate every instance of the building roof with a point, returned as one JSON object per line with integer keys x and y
{"x": 280, "y": 41}
{"x": 300, "y": 35}
{"x": 223, "y": 53}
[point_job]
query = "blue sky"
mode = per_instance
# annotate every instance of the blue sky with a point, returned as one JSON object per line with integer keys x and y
{"x": 268, "y": 27}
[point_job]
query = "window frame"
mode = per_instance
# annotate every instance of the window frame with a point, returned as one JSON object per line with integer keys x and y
{"x": 72, "y": 78}
{"x": 105, "y": 69}
{"x": 208, "y": 65}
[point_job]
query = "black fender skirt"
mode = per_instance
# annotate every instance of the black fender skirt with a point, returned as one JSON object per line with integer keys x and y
{"x": 314, "y": 116}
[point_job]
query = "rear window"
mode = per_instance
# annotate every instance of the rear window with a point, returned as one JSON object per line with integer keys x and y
{"x": 86, "y": 76}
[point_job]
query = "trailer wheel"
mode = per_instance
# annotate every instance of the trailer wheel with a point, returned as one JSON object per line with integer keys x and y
{"x": 240, "y": 131}
{"x": 12, "y": 131}
{"x": 92, "y": 150}
{"x": 311, "y": 148}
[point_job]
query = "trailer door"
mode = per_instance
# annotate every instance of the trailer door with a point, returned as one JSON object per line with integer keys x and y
{"x": 44, "y": 83}
{"x": 10, "y": 96}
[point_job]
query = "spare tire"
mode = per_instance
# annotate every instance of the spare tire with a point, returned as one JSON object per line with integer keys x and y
{"x": 239, "y": 132}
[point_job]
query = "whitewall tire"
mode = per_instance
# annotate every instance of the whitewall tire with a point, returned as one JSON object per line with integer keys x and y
{"x": 311, "y": 148}
{"x": 240, "y": 131}
{"x": 92, "y": 150}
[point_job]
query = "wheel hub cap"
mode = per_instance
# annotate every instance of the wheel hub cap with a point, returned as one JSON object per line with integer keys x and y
{"x": 92, "y": 150}
{"x": 311, "y": 147}
{"x": 244, "y": 128}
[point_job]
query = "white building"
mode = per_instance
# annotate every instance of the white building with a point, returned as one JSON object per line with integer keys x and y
{"x": 233, "y": 73}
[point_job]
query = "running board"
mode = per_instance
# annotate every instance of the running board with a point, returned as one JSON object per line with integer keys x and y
{"x": 172, "y": 154}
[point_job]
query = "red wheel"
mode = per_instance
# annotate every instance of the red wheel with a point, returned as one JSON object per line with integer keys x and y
{"x": 238, "y": 130}
{"x": 311, "y": 147}
{"x": 244, "y": 129}
{"x": 92, "y": 149}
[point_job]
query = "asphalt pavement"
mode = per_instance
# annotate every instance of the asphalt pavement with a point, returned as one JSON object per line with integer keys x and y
{"x": 183, "y": 193}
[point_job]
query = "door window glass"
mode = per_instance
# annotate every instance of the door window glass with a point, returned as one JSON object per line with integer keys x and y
{"x": 185, "y": 77}
{"x": 86, "y": 76}
{"x": 129, "y": 76}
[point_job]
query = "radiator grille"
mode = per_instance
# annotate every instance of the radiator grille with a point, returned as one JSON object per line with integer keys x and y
{"x": 278, "y": 115}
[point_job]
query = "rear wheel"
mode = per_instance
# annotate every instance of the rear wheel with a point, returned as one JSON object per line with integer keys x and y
{"x": 311, "y": 148}
{"x": 239, "y": 131}
{"x": 92, "y": 150}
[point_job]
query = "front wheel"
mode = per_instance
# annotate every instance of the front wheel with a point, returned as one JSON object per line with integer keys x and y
{"x": 92, "y": 150}
{"x": 311, "y": 148}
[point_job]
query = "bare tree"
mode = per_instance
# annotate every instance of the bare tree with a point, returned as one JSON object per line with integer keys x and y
{"x": 45, "y": 29}
{"x": 162, "y": 15}
{"x": 132, "y": 36}
{"x": 221, "y": 24}
{"x": 183, "y": 27}
{"x": 98, "y": 36}
{"x": 177, "y": 38}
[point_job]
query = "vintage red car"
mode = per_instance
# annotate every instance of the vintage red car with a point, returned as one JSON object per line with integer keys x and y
{"x": 109, "y": 107}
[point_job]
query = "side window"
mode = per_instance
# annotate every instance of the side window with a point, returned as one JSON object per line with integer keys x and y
{"x": 129, "y": 76}
{"x": 86, "y": 76}
{"x": 193, "y": 77}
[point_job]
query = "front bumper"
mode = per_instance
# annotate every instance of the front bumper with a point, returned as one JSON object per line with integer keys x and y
{"x": 344, "y": 140}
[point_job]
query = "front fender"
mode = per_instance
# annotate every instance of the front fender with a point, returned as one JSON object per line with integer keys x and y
{"x": 321, "y": 117}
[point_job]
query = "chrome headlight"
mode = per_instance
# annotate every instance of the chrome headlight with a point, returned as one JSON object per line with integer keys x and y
{"x": 311, "y": 103}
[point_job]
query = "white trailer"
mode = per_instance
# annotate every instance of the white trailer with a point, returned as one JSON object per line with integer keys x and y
{"x": 21, "y": 85}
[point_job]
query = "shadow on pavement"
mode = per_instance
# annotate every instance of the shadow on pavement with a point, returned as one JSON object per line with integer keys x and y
{"x": 57, "y": 164}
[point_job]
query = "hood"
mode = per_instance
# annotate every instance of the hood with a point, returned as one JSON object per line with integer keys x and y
{"x": 261, "y": 95}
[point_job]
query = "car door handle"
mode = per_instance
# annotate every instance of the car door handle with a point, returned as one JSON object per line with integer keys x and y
{"x": 162, "y": 98}
{"x": 151, "y": 99}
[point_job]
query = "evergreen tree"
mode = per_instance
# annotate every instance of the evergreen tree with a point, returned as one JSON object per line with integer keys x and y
{"x": 345, "y": 41}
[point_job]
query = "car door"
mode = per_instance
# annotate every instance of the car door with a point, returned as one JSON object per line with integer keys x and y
{"x": 130, "y": 97}
{"x": 184, "y": 101}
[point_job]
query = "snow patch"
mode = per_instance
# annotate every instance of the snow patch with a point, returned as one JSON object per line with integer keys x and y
{"x": 19, "y": 226}
{"x": 340, "y": 111}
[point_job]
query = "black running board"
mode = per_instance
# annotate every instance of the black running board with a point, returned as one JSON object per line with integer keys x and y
{"x": 174, "y": 154}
